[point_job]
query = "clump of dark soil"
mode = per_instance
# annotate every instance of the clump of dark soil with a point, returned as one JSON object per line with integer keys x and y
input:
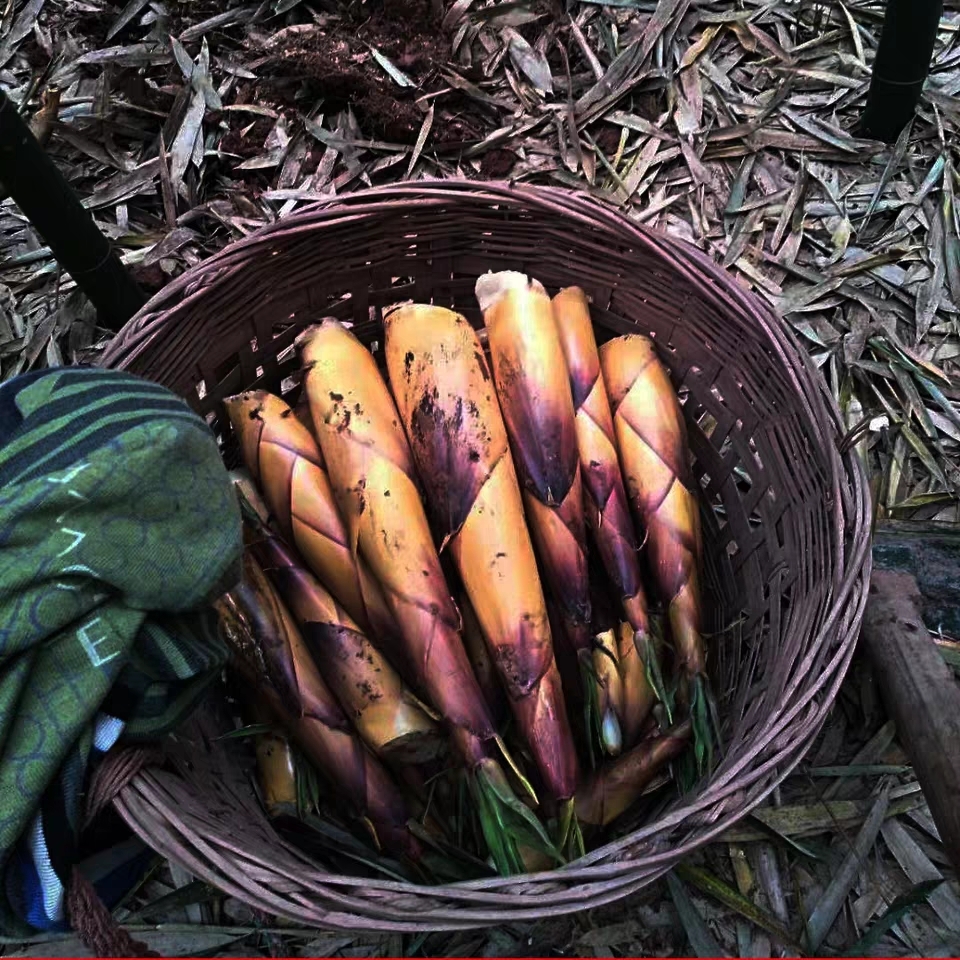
{"x": 497, "y": 162}
{"x": 455, "y": 123}
{"x": 607, "y": 138}
{"x": 335, "y": 63}
{"x": 650, "y": 105}
{"x": 247, "y": 141}
{"x": 150, "y": 277}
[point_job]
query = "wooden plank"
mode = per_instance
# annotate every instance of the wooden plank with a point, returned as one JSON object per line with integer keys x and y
{"x": 920, "y": 694}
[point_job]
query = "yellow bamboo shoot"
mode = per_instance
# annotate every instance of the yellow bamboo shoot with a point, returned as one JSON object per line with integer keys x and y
{"x": 266, "y": 644}
{"x": 533, "y": 387}
{"x": 607, "y": 508}
{"x": 651, "y": 436}
{"x": 449, "y": 410}
{"x": 284, "y": 460}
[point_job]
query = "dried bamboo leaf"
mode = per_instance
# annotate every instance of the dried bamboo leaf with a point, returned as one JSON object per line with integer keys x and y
{"x": 425, "y": 128}
{"x": 126, "y": 16}
{"x": 830, "y": 904}
{"x": 896, "y": 157}
{"x": 929, "y": 294}
{"x": 392, "y": 71}
{"x": 528, "y": 61}
{"x": 698, "y": 933}
{"x": 712, "y": 885}
{"x": 20, "y": 28}
{"x": 694, "y": 51}
{"x": 181, "y": 150}
{"x": 923, "y": 452}
{"x": 893, "y": 915}
{"x": 918, "y": 867}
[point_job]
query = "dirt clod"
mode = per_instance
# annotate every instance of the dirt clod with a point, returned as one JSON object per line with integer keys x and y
{"x": 335, "y": 64}
{"x": 497, "y": 163}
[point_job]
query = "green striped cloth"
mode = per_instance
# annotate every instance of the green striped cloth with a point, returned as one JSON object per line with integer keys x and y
{"x": 118, "y": 525}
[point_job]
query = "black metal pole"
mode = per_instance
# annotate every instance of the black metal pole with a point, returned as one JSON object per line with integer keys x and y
{"x": 902, "y": 64}
{"x": 39, "y": 189}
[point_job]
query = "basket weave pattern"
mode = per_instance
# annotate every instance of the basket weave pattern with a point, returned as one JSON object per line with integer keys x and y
{"x": 786, "y": 543}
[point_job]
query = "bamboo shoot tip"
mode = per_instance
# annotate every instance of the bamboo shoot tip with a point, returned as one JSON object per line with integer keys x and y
{"x": 394, "y": 307}
{"x": 574, "y": 291}
{"x": 245, "y": 396}
{"x": 490, "y": 287}
{"x": 308, "y": 334}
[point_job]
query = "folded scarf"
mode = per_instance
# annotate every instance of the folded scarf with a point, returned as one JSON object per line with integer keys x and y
{"x": 118, "y": 526}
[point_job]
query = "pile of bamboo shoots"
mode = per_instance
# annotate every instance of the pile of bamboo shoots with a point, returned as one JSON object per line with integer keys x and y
{"x": 471, "y": 594}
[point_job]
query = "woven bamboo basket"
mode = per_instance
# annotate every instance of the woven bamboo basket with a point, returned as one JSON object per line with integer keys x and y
{"x": 785, "y": 512}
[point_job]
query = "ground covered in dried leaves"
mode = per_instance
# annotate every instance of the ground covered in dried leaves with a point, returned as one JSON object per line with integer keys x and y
{"x": 185, "y": 125}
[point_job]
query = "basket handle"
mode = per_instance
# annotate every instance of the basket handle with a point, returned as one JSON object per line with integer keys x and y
{"x": 90, "y": 919}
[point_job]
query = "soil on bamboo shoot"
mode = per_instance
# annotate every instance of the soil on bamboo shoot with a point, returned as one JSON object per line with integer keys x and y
{"x": 449, "y": 411}
{"x": 532, "y": 384}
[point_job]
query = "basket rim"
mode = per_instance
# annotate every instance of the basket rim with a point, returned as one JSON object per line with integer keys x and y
{"x": 611, "y": 862}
